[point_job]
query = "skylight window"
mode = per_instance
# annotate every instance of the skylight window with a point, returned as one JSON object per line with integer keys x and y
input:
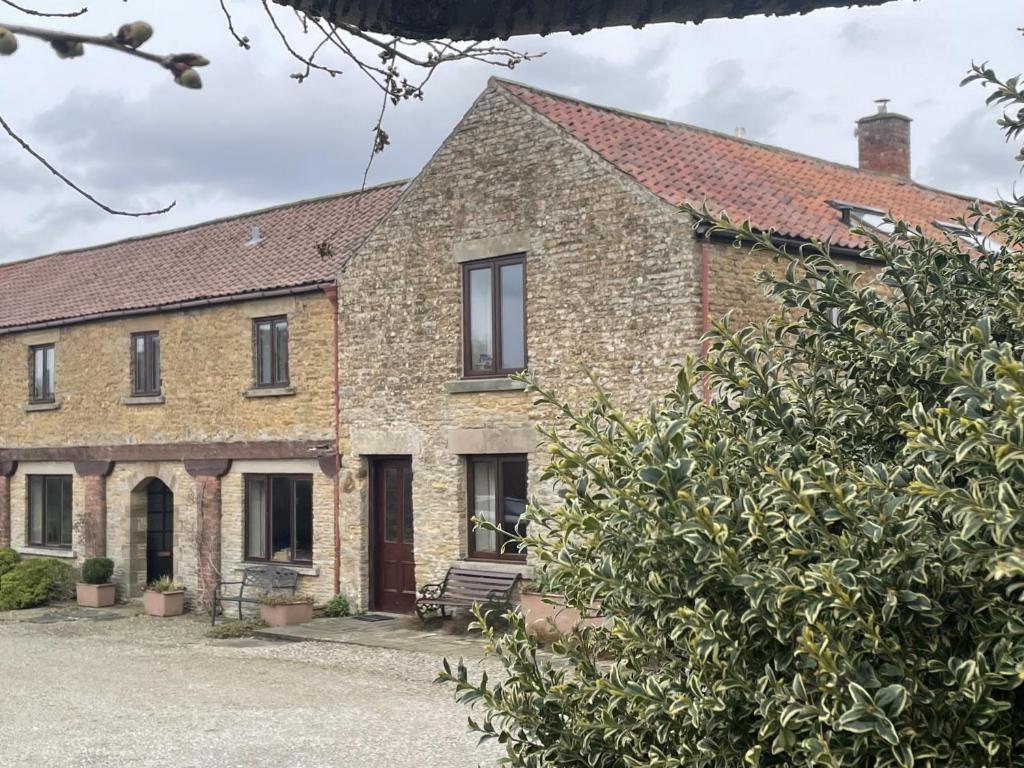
{"x": 972, "y": 237}
{"x": 873, "y": 218}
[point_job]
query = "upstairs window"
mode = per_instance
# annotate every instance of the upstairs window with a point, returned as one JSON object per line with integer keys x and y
{"x": 494, "y": 316}
{"x": 40, "y": 373}
{"x": 270, "y": 341}
{"x": 146, "y": 363}
{"x": 49, "y": 511}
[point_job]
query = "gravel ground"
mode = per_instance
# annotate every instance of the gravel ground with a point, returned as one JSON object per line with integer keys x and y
{"x": 144, "y": 692}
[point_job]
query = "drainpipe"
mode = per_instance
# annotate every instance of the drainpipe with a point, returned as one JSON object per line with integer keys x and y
{"x": 705, "y": 307}
{"x": 332, "y": 295}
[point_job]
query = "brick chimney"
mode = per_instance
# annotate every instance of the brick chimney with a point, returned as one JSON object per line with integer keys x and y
{"x": 884, "y": 141}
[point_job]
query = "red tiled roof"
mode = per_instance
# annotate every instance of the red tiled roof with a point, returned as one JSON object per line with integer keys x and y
{"x": 205, "y": 261}
{"x": 772, "y": 187}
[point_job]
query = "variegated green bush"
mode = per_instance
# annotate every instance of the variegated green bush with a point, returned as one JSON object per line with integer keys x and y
{"x": 820, "y": 567}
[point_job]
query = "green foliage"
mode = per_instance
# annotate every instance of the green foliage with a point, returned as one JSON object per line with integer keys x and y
{"x": 338, "y": 606}
{"x": 8, "y": 559}
{"x": 37, "y": 581}
{"x": 165, "y": 584}
{"x": 97, "y": 570}
{"x": 824, "y": 565}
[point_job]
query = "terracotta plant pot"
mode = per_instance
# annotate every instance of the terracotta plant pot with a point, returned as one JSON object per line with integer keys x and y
{"x": 96, "y": 595}
{"x": 164, "y": 603}
{"x": 286, "y": 614}
{"x": 547, "y": 616}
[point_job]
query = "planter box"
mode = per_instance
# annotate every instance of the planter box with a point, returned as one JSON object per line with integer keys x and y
{"x": 286, "y": 614}
{"x": 96, "y": 595}
{"x": 164, "y": 603}
{"x": 547, "y": 616}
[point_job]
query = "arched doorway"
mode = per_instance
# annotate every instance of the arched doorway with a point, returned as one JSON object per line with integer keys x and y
{"x": 159, "y": 531}
{"x": 152, "y": 535}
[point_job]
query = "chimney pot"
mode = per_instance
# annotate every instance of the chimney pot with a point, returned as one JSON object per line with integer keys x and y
{"x": 883, "y": 141}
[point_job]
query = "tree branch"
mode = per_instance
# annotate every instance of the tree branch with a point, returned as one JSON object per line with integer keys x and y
{"x": 32, "y": 12}
{"x": 46, "y": 163}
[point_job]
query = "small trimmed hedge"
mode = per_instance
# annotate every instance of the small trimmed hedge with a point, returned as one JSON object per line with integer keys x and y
{"x": 34, "y": 582}
{"x": 97, "y": 570}
{"x": 8, "y": 559}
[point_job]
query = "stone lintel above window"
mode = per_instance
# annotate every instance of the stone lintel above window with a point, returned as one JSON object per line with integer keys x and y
{"x": 491, "y": 247}
{"x": 466, "y": 442}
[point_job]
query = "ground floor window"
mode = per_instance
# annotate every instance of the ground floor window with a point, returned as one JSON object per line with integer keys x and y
{"x": 497, "y": 495}
{"x": 49, "y": 510}
{"x": 279, "y": 518}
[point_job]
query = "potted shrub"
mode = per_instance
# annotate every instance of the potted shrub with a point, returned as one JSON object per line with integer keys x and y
{"x": 282, "y": 610}
{"x": 548, "y": 617}
{"x": 164, "y": 597}
{"x": 95, "y": 589}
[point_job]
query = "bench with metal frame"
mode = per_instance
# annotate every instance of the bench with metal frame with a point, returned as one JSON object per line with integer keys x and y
{"x": 260, "y": 581}
{"x": 466, "y": 587}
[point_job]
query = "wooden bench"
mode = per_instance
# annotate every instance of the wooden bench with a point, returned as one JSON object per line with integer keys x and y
{"x": 466, "y": 587}
{"x": 259, "y": 580}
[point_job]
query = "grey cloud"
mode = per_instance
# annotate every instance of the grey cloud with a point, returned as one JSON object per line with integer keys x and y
{"x": 728, "y": 100}
{"x": 972, "y": 155}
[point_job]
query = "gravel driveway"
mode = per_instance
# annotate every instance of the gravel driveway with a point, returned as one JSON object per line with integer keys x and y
{"x": 144, "y": 692}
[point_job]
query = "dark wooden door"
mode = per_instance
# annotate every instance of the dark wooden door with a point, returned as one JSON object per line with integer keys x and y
{"x": 394, "y": 573}
{"x": 159, "y": 531}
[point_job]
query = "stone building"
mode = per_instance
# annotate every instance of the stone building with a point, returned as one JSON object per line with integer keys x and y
{"x": 169, "y": 400}
{"x": 235, "y": 392}
{"x": 545, "y": 234}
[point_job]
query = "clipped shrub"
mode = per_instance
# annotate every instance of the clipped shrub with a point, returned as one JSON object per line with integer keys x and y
{"x": 823, "y": 565}
{"x": 97, "y": 570}
{"x": 338, "y": 606}
{"x": 33, "y": 582}
{"x": 8, "y": 559}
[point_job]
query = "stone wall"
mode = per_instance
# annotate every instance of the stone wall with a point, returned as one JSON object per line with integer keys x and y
{"x": 206, "y": 366}
{"x": 734, "y": 289}
{"x": 612, "y": 285}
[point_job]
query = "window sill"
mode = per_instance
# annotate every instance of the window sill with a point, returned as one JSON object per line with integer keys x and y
{"x": 302, "y": 570}
{"x": 67, "y": 554}
{"x": 143, "y": 400}
{"x": 498, "y": 566}
{"x": 37, "y": 407}
{"x": 253, "y": 392}
{"x": 500, "y": 384}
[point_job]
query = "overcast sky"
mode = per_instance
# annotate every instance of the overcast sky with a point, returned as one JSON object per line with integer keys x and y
{"x": 253, "y": 137}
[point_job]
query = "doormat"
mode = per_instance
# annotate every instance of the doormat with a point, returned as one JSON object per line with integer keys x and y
{"x": 373, "y": 617}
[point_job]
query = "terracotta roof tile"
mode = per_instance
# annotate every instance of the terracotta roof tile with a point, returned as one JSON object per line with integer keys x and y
{"x": 205, "y": 261}
{"x": 774, "y": 188}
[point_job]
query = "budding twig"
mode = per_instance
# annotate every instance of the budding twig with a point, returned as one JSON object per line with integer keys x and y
{"x": 33, "y": 12}
{"x": 46, "y": 164}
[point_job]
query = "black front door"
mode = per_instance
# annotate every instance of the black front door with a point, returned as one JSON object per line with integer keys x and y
{"x": 160, "y": 531}
{"x": 394, "y": 571}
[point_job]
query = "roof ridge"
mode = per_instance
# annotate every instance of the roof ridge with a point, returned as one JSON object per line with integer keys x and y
{"x": 722, "y": 135}
{"x": 208, "y": 222}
